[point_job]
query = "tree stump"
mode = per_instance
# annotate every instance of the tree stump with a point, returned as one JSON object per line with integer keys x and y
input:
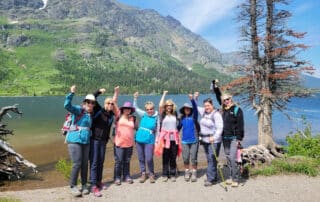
{"x": 255, "y": 154}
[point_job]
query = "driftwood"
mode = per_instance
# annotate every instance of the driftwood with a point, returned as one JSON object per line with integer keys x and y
{"x": 12, "y": 163}
{"x": 257, "y": 153}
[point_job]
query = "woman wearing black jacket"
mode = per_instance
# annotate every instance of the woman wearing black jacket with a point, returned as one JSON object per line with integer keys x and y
{"x": 102, "y": 120}
{"x": 233, "y": 131}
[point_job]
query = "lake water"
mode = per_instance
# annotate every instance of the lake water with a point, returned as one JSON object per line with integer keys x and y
{"x": 37, "y": 131}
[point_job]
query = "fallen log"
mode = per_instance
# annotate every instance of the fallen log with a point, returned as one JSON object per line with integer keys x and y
{"x": 256, "y": 154}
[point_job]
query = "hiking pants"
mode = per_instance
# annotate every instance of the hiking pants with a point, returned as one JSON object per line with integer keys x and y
{"x": 79, "y": 155}
{"x": 212, "y": 174}
{"x": 230, "y": 149}
{"x": 145, "y": 155}
{"x": 169, "y": 156}
{"x": 190, "y": 150}
{"x": 97, "y": 155}
{"x": 122, "y": 157}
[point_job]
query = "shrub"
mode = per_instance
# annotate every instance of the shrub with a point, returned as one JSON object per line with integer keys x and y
{"x": 64, "y": 167}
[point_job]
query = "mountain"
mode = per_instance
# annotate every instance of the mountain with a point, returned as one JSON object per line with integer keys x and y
{"x": 100, "y": 43}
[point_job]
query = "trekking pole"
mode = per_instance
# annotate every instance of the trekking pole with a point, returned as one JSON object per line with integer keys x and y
{"x": 224, "y": 185}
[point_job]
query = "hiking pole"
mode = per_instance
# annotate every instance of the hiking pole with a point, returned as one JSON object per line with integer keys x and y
{"x": 224, "y": 185}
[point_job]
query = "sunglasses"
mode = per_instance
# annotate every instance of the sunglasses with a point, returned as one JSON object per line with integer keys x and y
{"x": 91, "y": 102}
{"x": 110, "y": 103}
{"x": 149, "y": 109}
{"x": 227, "y": 99}
{"x": 169, "y": 105}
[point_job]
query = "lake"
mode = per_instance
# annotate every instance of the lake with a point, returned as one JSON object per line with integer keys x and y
{"x": 37, "y": 131}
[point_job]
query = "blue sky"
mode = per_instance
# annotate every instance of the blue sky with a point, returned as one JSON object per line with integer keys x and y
{"x": 215, "y": 21}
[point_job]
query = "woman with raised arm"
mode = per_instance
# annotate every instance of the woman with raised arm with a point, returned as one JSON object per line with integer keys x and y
{"x": 211, "y": 126}
{"x": 145, "y": 138}
{"x": 169, "y": 135}
{"x": 190, "y": 129}
{"x": 102, "y": 123}
{"x": 78, "y": 139}
{"x": 123, "y": 143}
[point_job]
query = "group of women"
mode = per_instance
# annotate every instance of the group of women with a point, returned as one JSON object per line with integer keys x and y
{"x": 158, "y": 133}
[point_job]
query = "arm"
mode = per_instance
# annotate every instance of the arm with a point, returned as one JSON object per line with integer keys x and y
{"x": 97, "y": 107}
{"x": 161, "y": 103}
{"x": 199, "y": 109}
{"x": 139, "y": 111}
{"x": 240, "y": 125}
{"x": 67, "y": 103}
{"x": 219, "y": 125}
{"x": 194, "y": 107}
{"x": 116, "y": 110}
{"x": 216, "y": 90}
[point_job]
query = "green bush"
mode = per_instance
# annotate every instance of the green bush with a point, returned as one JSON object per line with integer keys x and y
{"x": 64, "y": 167}
{"x": 302, "y": 143}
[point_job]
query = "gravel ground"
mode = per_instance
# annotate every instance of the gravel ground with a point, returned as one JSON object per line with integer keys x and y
{"x": 275, "y": 188}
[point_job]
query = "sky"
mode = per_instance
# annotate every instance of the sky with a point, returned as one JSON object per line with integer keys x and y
{"x": 215, "y": 21}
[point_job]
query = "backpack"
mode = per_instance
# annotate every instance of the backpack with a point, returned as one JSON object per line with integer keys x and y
{"x": 70, "y": 122}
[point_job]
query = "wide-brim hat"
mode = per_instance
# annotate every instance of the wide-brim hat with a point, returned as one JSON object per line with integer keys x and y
{"x": 186, "y": 105}
{"x": 89, "y": 97}
{"x": 127, "y": 105}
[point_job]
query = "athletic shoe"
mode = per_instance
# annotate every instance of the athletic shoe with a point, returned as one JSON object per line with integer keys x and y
{"x": 234, "y": 184}
{"x": 194, "y": 176}
{"x": 186, "y": 175}
{"x": 164, "y": 178}
{"x": 75, "y": 191}
{"x": 129, "y": 180}
{"x": 117, "y": 182}
{"x": 229, "y": 181}
{"x": 143, "y": 178}
{"x": 85, "y": 190}
{"x": 173, "y": 179}
{"x": 102, "y": 186}
{"x": 96, "y": 192}
{"x": 207, "y": 183}
{"x": 152, "y": 178}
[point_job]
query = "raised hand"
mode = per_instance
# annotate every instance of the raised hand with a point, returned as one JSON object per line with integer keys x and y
{"x": 196, "y": 95}
{"x": 135, "y": 95}
{"x": 190, "y": 96}
{"x": 102, "y": 90}
{"x": 73, "y": 89}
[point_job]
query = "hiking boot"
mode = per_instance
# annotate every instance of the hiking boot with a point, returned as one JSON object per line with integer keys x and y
{"x": 164, "y": 178}
{"x": 229, "y": 181}
{"x": 117, "y": 182}
{"x": 234, "y": 184}
{"x": 152, "y": 178}
{"x": 85, "y": 190}
{"x": 194, "y": 176}
{"x": 75, "y": 191}
{"x": 102, "y": 186}
{"x": 186, "y": 175}
{"x": 96, "y": 191}
{"x": 143, "y": 178}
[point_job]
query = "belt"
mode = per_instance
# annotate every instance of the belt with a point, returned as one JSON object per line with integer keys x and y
{"x": 207, "y": 135}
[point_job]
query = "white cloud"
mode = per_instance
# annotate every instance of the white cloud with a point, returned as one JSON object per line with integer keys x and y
{"x": 196, "y": 15}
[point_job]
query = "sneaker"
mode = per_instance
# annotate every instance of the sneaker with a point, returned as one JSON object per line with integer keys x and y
{"x": 129, "y": 180}
{"x": 96, "y": 191}
{"x": 143, "y": 178}
{"x": 208, "y": 183}
{"x": 75, "y": 191}
{"x": 234, "y": 184}
{"x": 152, "y": 179}
{"x": 173, "y": 179}
{"x": 85, "y": 190}
{"x": 186, "y": 175}
{"x": 229, "y": 181}
{"x": 194, "y": 176}
{"x": 164, "y": 178}
{"x": 117, "y": 182}
{"x": 102, "y": 186}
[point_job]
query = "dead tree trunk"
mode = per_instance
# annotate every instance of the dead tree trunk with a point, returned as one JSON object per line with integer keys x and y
{"x": 12, "y": 163}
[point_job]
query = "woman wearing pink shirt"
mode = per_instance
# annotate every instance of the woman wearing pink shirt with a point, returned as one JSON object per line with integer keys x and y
{"x": 123, "y": 143}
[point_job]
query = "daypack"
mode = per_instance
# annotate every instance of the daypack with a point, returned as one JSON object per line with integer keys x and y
{"x": 70, "y": 123}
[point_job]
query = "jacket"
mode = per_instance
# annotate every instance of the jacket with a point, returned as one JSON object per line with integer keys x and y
{"x": 82, "y": 135}
{"x": 233, "y": 124}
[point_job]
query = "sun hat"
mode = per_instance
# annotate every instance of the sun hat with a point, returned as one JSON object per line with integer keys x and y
{"x": 127, "y": 105}
{"x": 185, "y": 105}
{"x": 89, "y": 97}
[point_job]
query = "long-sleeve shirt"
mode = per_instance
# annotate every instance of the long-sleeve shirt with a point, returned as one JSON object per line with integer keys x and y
{"x": 211, "y": 124}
